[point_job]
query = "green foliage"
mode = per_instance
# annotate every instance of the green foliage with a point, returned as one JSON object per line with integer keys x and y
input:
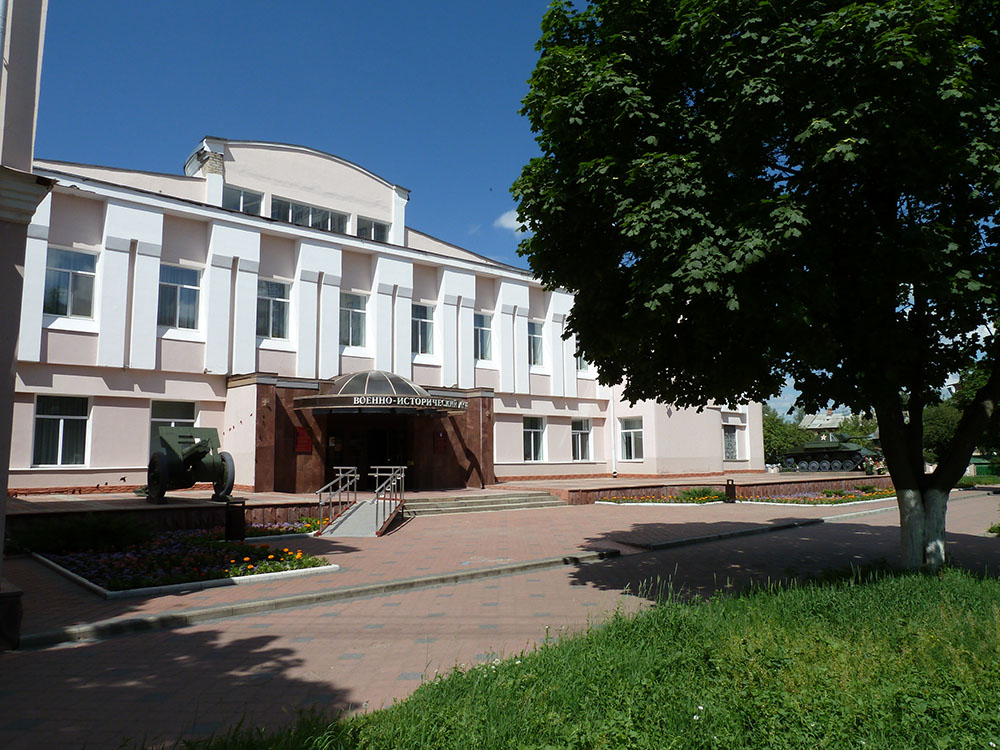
{"x": 789, "y": 668}
{"x": 700, "y": 495}
{"x": 940, "y": 423}
{"x": 994, "y": 529}
{"x": 859, "y": 428}
{"x": 738, "y": 193}
{"x": 780, "y": 436}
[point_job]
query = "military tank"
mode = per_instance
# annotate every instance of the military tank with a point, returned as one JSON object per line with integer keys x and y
{"x": 827, "y": 455}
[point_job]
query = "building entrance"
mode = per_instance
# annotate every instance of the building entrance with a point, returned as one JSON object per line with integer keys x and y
{"x": 367, "y": 440}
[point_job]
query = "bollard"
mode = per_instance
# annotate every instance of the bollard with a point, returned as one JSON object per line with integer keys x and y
{"x": 236, "y": 529}
{"x": 730, "y": 491}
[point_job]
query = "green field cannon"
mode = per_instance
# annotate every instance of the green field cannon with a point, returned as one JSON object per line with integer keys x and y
{"x": 186, "y": 456}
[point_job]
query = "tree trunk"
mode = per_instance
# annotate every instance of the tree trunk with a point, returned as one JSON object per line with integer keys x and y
{"x": 921, "y": 526}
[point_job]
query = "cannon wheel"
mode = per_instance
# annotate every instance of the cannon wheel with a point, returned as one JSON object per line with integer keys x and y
{"x": 156, "y": 478}
{"x": 224, "y": 485}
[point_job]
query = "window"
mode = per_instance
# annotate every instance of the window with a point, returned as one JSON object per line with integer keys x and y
{"x": 534, "y": 429}
{"x": 178, "y": 306}
{"x": 729, "y": 445}
{"x": 352, "y": 320}
{"x": 60, "y": 431}
{"x": 272, "y": 309}
{"x": 581, "y": 439}
{"x": 168, "y": 414}
{"x": 482, "y": 345}
{"x": 308, "y": 216}
{"x": 581, "y": 364}
{"x": 373, "y": 230}
{"x": 69, "y": 283}
{"x": 631, "y": 431}
{"x": 422, "y": 329}
{"x": 244, "y": 201}
{"x": 534, "y": 343}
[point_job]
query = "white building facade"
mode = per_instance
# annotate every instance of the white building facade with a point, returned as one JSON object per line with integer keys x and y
{"x": 234, "y": 295}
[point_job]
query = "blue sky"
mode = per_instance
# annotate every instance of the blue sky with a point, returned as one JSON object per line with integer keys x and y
{"x": 424, "y": 94}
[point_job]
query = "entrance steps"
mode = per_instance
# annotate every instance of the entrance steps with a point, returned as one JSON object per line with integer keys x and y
{"x": 432, "y": 506}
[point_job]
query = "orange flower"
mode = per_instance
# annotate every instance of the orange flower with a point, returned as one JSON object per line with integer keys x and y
{"x": 249, "y": 567}
{"x": 246, "y": 559}
{"x": 270, "y": 557}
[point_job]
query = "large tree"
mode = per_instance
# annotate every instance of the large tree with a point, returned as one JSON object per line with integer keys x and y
{"x": 739, "y": 191}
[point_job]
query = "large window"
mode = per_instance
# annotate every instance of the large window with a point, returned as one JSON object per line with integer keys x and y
{"x": 352, "y": 319}
{"x": 631, "y": 432}
{"x": 69, "y": 283}
{"x": 308, "y": 216}
{"x": 482, "y": 345}
{"x": 730, "y": 444}
{"x": 168, "y": 414}
{"x": 244, "y": 201}
{"x": 581, "y": 439}
{"x": 60, "y": 431}
{"x": 534, "y": 431}
{"x": 272, "y": 309}
{"x": 422, "y": 329}
{"x": 534, "y": 343}
{"x": 373, "y": 230}
{"x": 178, "y": 305}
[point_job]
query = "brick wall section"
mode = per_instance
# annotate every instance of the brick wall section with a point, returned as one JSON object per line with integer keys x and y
{"x": 744, "y": 490}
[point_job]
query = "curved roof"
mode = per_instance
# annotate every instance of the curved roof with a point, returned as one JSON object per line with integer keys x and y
{"x": 374, "y": 383}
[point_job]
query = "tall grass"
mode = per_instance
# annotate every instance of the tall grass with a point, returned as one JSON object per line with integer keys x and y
{"x": 908, "y": 661}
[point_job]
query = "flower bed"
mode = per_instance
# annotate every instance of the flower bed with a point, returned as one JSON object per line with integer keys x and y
{"x": 305, "y": 525}
{"x": 827, "y": 497}
{"x": 181, "y": 557}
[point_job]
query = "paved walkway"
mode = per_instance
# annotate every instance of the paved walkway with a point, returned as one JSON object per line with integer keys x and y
{"x": 366, "y": 652}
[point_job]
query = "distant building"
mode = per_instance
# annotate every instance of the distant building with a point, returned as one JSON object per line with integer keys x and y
{"x": 275, "y": 292}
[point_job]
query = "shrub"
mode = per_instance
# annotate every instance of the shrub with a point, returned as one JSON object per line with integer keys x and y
{"x": 700, "y": 495}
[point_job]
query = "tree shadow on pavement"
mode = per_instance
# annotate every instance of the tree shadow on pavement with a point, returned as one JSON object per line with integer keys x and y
{"x": 736, "y": 564}
{"x": 155, "y": 687}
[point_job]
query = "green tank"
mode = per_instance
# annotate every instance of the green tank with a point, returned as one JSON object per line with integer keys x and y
{"x": 826, "y": 455}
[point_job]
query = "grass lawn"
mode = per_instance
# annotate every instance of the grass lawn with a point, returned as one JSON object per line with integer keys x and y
{"x": 907, "y": 661}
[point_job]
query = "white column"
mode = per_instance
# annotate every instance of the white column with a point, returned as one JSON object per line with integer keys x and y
{"x": 379, "y": 334}
{"x": 112, "y": 298}
{"x": 245, "y": 318}
{"x": 316, "y": 302}
{"x": 397, "y": 230}
{"x": 512, "y": 336}
{"x": 218, "y": 278}
{"x": 503, "y": 327}
{"x": 145, "y": 289}
{"x": 402, "y": 356}
{"x": 29, "y": 342}
{"x": 449, "y": 339}
{"x": 522, "y": 381}
{"x": 554, "y": 352}
{"x": 390, "y": 330}
{"x": 304, "y": 305}
{"x": 329, "y": 326}
{"x": 466, "y": 350}
{"x": 231, "y": 250}
{"x": 123, "y": 225}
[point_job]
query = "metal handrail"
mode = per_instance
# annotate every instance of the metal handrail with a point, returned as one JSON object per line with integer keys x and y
{"x": 390, "y": 488}
{"x": 343, "y": 486}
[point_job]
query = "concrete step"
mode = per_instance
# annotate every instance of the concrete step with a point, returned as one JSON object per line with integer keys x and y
{"x": 479, "y": 505}
{"x": 492, "y": 499}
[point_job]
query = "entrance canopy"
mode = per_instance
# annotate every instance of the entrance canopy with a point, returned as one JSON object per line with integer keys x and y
{"x": 376, "y": 391}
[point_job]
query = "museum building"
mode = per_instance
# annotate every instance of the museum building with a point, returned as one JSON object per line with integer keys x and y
{"x": 275, "y": 292}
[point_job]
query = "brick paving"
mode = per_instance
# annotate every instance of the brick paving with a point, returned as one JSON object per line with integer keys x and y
{"x": 367, "y": 652}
